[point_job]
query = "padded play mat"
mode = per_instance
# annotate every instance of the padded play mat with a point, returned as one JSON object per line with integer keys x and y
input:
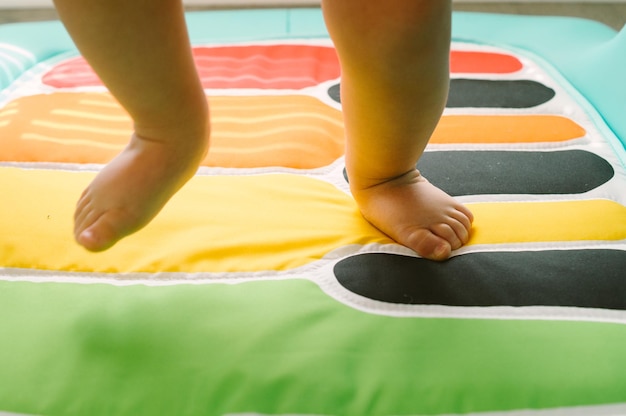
{"x": 259, "y": 290}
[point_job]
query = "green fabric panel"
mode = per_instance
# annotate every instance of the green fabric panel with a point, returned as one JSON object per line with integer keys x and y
{"x": 282, "y": 347}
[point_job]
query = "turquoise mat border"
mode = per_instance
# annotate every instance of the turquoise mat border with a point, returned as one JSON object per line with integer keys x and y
{"x": 590, "y": 55}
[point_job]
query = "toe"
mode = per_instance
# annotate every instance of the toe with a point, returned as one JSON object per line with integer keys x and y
{"x": 93, "y": 241}
{"x": 82, "y": 205}
{"x": 461, "y": 229}
{"x": 88, "y": 239}
{"x": 448, "y": 232}
{"x": 83, "y": 220}
{"x": 428, "y": 245}
{"x": 461, "y": 223}
{"x": 99, "y": 236}
{"x": 468, "y": 217}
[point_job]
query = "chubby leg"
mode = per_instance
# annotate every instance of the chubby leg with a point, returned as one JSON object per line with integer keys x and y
{"x": 395, "y": 75}
{"x": 141, "y": 51}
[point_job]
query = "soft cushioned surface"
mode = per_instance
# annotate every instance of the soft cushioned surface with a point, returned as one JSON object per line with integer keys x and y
{"x": 260, "y": 290}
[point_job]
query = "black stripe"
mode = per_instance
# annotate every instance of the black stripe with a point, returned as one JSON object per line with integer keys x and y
{"x": 499, "y": 94}
{"x": 488, "y": 93}
{"x": 580, "y": 278}
{"x": 513, "y": 172}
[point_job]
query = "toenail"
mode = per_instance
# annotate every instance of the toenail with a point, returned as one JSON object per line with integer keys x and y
{"x": 441, "y": 251}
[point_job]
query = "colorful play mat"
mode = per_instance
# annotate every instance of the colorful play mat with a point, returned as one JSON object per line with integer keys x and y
{"x": 260, "y": 290}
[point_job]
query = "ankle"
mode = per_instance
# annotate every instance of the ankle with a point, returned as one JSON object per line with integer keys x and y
{"x": 359, "y": 184}
{"x": 188, "y": 126}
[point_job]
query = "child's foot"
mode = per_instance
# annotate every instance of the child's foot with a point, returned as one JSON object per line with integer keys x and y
{"x": 416, "y": 214}
{"x": 132, "y": 189}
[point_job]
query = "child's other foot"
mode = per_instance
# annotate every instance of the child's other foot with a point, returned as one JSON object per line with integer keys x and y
{"x": 132, "y": 189}
{"x": 416, "y": 214}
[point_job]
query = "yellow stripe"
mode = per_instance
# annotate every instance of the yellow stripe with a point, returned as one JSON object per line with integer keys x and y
{"x": 71, "y": 142}
{"x": 247, "y": 104}
{"x": 228, "y": 224}
{"x": 302, "y": 148}
{"x": 90, "y": 116}
{"x": 250, "y": 223}
{"x": 80, "y": 127}
{"x": 8, "y": 112}
{"x": 293, "y": 130}
{"x": 524, "y": 222}
{"x": 284, "y": 117}
{"x": 106, "y": 101}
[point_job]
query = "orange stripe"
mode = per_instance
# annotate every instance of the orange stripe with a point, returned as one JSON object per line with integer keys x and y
{"x": 38, "y": 133}
{"x": 505, "y": 129}
{"x": 292, "y": 131}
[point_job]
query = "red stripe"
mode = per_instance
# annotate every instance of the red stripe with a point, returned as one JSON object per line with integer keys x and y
{"x": 483, "y": 63}
{"x": 266, "y": 66}
{"x": 274, "y": 67}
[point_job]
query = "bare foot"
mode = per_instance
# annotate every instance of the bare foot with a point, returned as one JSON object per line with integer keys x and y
{"x": 416, "y": 214}
{"x": 132, "y": 189}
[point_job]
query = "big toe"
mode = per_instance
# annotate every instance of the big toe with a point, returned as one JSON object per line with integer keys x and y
{"x": 98, "y": 237}
{"x": 428, "y": 245}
